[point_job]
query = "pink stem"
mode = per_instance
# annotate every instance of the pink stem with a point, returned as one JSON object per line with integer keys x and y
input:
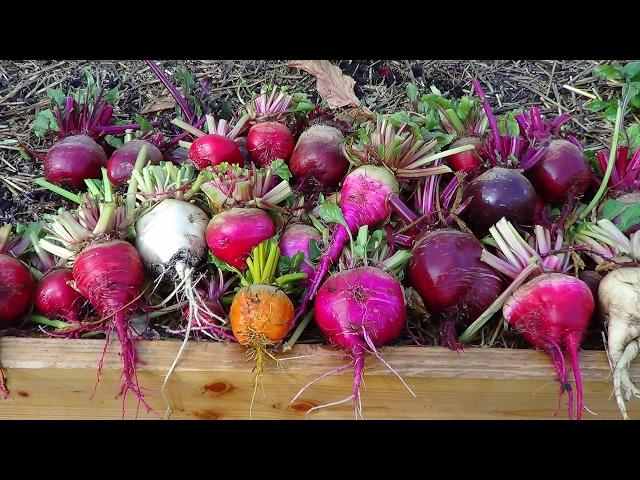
{"x": 358, "y": 370}
{"x": 338, "y": 241}
{"x": 572, "y": 344}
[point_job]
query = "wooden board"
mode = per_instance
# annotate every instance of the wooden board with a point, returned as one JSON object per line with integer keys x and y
{"x": 55, "y": 379}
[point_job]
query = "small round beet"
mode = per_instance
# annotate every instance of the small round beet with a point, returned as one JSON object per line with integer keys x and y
{"x": 562, "y": 171}
{"x": 210, "y": 150}
{"x": 467, "y": 161}
{"x": 499, "y": 192}
{"x": 269, "y": 141}
{"x": 123, "y": 160}
{"x": 319, "y": 155}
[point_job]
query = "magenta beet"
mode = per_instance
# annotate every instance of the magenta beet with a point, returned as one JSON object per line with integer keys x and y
{"x": 454, "y": 284}
{"x": 212, "y": 149}
{"x": 16, "y": 291}
{"x": 296, "y": 238}
{"x": 360, "y": 309}
{"x": 562, "y": 171}
{"x": 363, "y": 200}
{"x": 72, "y": 160}
{"x": 55, "y": 297}
{"x": 122, "y": 161}
{"x": 553, "y": 311}
{"x": 269, "y": 141}
{"x": 232, "y": 234}
{"x": 319, "y": 155}
{"x": 499, "y": 192}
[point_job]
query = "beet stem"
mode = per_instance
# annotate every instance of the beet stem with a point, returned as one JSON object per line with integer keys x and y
{"x": 572, "y": 349}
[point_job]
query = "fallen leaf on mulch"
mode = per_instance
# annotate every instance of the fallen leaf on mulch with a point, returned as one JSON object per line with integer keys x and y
{"x": 158, "y": 104}
{"x": 355, "y": 115}
{"x": 333, "y": 86}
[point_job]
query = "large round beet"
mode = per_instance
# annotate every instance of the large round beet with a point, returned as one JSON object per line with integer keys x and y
{"x": 123, "y": 160}
{"x": 319, "y": 155}
{"x": 74, "y": 159}
{"x": 16, "y": 290}
{"x": 446, "y": 271}
{"x": 499, "y": 192}
{"x": 562, "y": 171}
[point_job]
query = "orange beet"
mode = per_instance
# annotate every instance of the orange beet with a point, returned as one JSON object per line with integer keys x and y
{"x": 262, "y": 310}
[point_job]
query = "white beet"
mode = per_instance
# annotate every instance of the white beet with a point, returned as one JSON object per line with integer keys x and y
{"x": 619, "y": 297}
{"x": 172, "y": 235}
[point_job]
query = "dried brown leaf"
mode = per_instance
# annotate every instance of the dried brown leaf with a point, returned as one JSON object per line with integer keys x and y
{"x": 158, "y": 104}
{"x": 332, "y": 85}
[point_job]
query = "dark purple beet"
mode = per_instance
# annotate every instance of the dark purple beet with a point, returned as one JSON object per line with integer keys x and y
{"x": 592, "y": 279}
{"x": 454, "y": 284}
{"x": 318, "y": 155}
{"x": 499, "y": 192}
{"x": 562, "y": 171}
{"x": 74, "y": 159}
{"x": 123, "y": 160}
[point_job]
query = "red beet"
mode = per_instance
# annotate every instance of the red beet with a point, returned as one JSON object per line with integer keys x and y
{"x": 454, "y": 284}
{"x": 232, "y": 234}
{"x": 16, "y": 290}
{"x": 318, "y": 155}
{"x": 122, "y": 161}
{"x": 499, "y": 192}
{"x": 55, "y": 297}
{"x": 269, "y": 141}
{"x": 110, "y": 276}
{"x": 562, "y": 171}
{"x": 212, "y": 149}
{"x": 551, "y": 311}
{"x": 72, "y": 160}
{"x": 465, "y": 161}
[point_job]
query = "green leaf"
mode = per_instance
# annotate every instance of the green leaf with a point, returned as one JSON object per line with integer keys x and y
{"x": 635, "y": 101}
{"x": 321, "y": 199}
{"x": 284, "y": 265}
{"x": 279, "y": 168}
{"x": 145, "y": 125}
{"x": 332, "y": 214}
{"x": 112, "y": 95}
{"x": 488, "y": 240}
{"x": 596, "y": 105}
{"x": 611, "y": 112}
{"x": 304, "y": 107}
{"x": 631, "y": 71}
{"x": 362, "y": 238}
{"x": 610, "y": 71}
{"x": 399, "y": 118}
{"x": 45, "y": 123}
{"x": 57, "y": 96}
{"x": 24, "y": 154}
{"x": 314, "y": 251}
{"x": 612, "y": 208}
{"x": 115, "y": 142}
{"x": 630, "y": 217}
{"x": 412, "y": 92}
{"x": 464, "y": 107}
{"x": 186, "y": 80}
{"x": 224, "y": 266}
{"x": 633, "y": 131}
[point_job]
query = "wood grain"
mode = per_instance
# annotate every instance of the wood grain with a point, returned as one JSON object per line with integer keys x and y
{"x": 54, "y": 378}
